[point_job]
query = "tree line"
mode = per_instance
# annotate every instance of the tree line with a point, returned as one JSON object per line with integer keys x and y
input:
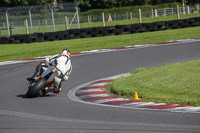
{"x": 95, "y": 4}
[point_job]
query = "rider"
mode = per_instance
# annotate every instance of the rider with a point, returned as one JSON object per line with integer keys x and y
{"x": 63, "y": 65}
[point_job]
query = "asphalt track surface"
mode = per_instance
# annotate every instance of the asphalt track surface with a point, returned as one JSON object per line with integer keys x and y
{"x": 54, "y": 114}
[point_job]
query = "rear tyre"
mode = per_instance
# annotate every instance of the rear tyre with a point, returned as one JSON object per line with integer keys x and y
{"x": 34, "y": 90}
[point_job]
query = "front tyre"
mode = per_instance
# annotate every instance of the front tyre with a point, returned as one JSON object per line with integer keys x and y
{"x": 36, "y": 88}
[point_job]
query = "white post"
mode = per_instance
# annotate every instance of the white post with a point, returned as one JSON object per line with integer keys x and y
{"x": 7, "y": 22}
{"x": 178, "y": 13}
{"x": 89, "y": 19}
{"x": 183, "y": 8}
{"x": 156, "y": 13}
{"x": 131, "y": 15}
{"x": 140, "y": 16}
{"x": 66, "y": 22}
{"x": 77, "y": 17}
{"x": 31, "y": 25}
{"x": 164, "y": 11}
{"x": 188, "y": 10}
{"x": 103, "y": 19}
{"x": 46, "y": 23}
{"x": 152, "y": 13}
{"x": 26, "y": 26}
{"x": 53, "y": 21}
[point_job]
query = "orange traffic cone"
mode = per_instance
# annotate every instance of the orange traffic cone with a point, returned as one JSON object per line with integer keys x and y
{"x": 136, "y": 96}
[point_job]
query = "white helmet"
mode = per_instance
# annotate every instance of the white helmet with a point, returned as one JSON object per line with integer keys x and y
{"x": 66, "y": 52}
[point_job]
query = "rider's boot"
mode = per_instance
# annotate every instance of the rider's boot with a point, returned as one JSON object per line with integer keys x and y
{"x": 53, "y": 89}
{"x": 57, "y": 90}
{"x": 37, "y": 72}
{"x": 32, "y": 78}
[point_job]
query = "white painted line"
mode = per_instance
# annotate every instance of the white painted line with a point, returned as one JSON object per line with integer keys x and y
{"x": 88, "y": 90}
{"x": 107, "y": 100}
{"x": 91, "y": 96}
{"x": 140, "y": 104}
{"x": 151, "y": 45}
{"x": 130, "y": 46}
{"x": 91, "y": 93}
{"x": 139, "y": 46}
{"x": 12, "y": 62}
{"x": 181, "y": 109}
{"x": 97, "y": 84}
{"x": 131, "y": 104}
{"x": 185, "y": 109}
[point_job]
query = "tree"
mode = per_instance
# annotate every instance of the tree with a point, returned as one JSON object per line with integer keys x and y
{"x": 84, "y": 4}
{"x": 97, "y": 4}
{"x": 141, "y": 2}
{"x": 14, "y": 2}
{"x": 193, "y": 2}
{"x": 38, "y": 2}
{"x": 122, "y": 3}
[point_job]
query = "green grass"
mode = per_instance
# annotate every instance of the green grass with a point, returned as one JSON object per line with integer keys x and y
{"x": 30, "y": 50}
{"x": 172, "y": 84}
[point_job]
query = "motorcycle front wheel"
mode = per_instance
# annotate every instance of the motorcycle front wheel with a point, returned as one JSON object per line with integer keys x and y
{"x": 36, "y": 88}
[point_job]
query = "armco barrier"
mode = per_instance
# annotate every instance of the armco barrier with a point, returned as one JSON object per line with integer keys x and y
{"x": 101, "y": 31}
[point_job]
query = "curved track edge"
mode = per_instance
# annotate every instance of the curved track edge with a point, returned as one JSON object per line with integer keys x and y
{"x": 94, "y": 93}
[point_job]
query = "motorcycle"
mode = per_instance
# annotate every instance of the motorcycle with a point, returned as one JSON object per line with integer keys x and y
{"x": 41, "y": 86}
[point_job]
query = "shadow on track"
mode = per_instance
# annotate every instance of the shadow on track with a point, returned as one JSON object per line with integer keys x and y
{"x": 25, "y": 97}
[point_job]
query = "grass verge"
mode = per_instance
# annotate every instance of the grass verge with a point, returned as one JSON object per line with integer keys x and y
{"x": 20, "y": 51}
{"x": 172, "y": 84}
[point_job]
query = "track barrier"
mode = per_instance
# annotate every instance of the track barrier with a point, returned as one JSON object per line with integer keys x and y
{"x": 101, "y": 31}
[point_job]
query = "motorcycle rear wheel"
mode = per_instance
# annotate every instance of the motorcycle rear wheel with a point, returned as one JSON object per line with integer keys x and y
{"x": 35, "y": 89}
